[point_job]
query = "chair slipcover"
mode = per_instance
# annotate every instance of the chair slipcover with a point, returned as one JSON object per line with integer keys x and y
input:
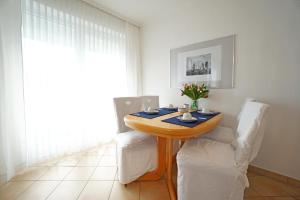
{"x": 150, "y": 101}
{"x": 221, "y": 134}
{"x": 137, "y": 154}
{"x": 124, "y": 106}
{"x": 226, "y": 134}
{"x": 212, "y": 170}
{"x": 136, "y": 151}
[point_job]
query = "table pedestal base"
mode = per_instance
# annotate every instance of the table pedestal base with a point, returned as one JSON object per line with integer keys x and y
{"x": 161, "y": 164}
{"x": 165, "y": 162}
{"x": 169, "y": 159}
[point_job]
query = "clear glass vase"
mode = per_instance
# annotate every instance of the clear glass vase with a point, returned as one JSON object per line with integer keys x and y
{"x": 194, "y": 105}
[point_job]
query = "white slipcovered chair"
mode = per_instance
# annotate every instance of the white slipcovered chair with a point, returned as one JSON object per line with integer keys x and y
{"x": 212, "y": 170}
{"x": 226, "y": 134}
{"x": 150, "y": 101}
{"x": 136, "y": 151}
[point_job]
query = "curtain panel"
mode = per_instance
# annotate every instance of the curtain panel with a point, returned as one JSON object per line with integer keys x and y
{"x": 76, "y": 58}
{"x": 12, "y": 122}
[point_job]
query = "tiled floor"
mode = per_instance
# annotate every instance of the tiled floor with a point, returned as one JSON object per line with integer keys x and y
{"x": 92, "y": 175}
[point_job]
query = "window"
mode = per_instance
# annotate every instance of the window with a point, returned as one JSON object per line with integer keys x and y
{"x": 75, "y": 61}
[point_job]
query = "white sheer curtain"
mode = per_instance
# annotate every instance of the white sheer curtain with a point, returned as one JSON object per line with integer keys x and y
{"x": 133, "y": 61}
{"x": 75, "y": 60}
{"x": 12, "y": 123}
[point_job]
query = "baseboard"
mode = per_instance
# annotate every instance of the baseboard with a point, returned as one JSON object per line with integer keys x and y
{"x": 275, "y": 176}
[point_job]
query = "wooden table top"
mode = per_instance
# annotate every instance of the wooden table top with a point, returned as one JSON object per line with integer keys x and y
{"x": 163, "y": 129}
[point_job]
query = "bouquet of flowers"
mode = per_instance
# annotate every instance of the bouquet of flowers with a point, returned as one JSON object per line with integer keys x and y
{"x": 195, "y": 92}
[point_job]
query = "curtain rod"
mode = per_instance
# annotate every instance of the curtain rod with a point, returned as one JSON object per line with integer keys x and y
{"x": 98, "y": 6}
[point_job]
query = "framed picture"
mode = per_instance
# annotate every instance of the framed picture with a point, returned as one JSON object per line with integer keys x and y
{"x": 210, "y": 62}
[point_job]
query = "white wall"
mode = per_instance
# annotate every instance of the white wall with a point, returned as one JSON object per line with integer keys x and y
{"x": 267, "y": 65}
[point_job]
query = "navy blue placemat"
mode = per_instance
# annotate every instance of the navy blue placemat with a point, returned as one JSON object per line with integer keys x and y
{"x": 200, "y": 119}
{"x": 170, "y": 109}
{"x": 151, "y": 116}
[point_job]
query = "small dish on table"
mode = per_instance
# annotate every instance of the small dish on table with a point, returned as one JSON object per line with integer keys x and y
{"x": 189, "y": 120}
{"x": 206, "y": 112}
{"x": 151, "y": 112}
{"x": 187, "y": 117}
{"x": 170, "y": 108}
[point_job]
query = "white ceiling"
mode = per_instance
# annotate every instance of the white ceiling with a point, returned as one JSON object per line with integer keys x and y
{"x": 145, "y": 11}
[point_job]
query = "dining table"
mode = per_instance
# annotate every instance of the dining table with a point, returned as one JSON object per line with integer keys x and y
{"x": 166, "y": 133}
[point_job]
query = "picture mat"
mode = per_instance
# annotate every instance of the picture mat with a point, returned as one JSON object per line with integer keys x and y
{"x": 227, "y": 62}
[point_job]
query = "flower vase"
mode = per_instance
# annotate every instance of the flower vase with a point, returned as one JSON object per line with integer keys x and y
{"x": 194, "y": 105}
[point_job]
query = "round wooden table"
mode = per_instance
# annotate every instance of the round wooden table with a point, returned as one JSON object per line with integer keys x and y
{"x": 166, "y": 133}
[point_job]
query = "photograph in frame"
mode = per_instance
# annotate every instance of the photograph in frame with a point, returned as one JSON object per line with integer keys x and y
{"x": 210, "y": 62}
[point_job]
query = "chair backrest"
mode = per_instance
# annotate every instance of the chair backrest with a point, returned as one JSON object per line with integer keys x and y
{"x": 250, "y": 131}
{"x": 248, "y": 99}
{"x": 150, "y": 101}
{"x": 238, "y": 117}
{"x": 124, "y": 106}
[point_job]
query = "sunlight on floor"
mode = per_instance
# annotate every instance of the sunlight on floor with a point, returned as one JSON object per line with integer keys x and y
{"x": 93, "y": 175}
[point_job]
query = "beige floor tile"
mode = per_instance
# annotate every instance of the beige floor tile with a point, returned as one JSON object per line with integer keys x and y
{"x": 104, "y": 173}
{"x": 48, "y": 163}
{"x": 12, "y": 189}
{"x": 2, "y": 181}
{"x": 267, "y": 187}
{"x": 120, "y": 192}
{"x": 96, "y": 152}
{"x": 56, "y": 173}
{"x": 294, "y": 182}
{"x": 154, "y": 190}
{"x": 101, "y": 150}
{"x": 110, "y": 151}
{"x": 69, "y": 161}
{"x": 80, "y": 173}
{"x": 117, "y": 177}
{"x": 99, "y": 190}
{"x": 89, "y": 161}
{"x": 250, "y": 192}
{"x": 67, "y": 190}
{"x": 91, "y": 153}
{"x": 39, "y": 190}
{"x": 79, "y": 154}
{"x": 262, "y": 172}
{"x": 111, "y": 144}
{"x": 251, "y": 174}
{"x": 293, "y": 191}
{"x": 108, "y": 161}
{"x": 270, "y": 187}
{"x": 32, "y": 173}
